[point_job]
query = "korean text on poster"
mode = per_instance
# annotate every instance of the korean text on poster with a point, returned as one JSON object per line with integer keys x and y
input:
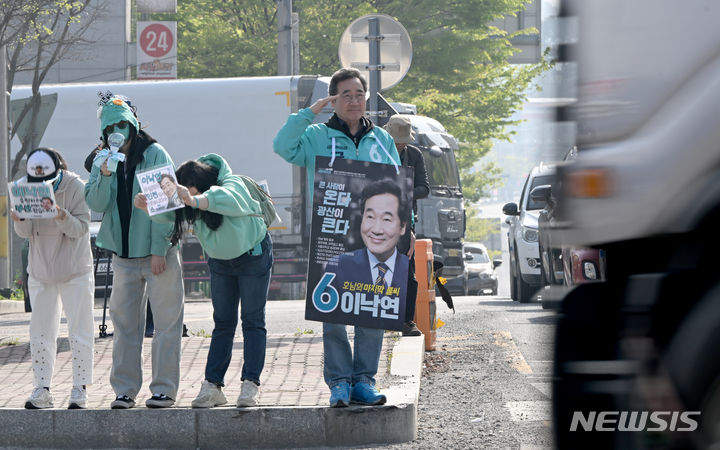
{"x": 356, "y": 274}
{"x": 160, "y": 188}
{"x": 32, "y": 200}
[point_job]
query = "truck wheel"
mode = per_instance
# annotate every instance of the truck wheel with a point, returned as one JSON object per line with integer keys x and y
{"x": 692, "y": 362}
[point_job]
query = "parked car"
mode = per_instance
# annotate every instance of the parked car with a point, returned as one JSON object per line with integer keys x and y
{"x": 458, "y": 284}
{"x": 562, "y": 264}
{"x": 102, "y": 263}
{"x": 481, "y": 275}
{"x": 525, "y": 272}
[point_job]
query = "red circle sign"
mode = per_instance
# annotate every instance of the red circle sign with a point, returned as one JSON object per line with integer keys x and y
{"x": 156, "y": 40}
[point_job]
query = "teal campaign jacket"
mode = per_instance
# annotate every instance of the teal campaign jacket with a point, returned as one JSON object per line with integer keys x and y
{"x": 146, "y": 238}
{"x": 299, "y": 141}
{"x": 242, "y": 227}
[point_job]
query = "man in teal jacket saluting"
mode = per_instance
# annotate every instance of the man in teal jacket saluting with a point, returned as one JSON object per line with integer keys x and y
{"x": 348, "y": 134}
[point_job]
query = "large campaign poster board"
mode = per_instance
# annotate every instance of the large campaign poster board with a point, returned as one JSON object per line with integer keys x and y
{"x": 344, "y": 243}
{"x": 32, "y": 200}
{"x": 160, "y": 188}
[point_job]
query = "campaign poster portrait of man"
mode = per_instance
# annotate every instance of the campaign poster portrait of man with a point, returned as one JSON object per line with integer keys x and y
{"x": 357, "y": 275}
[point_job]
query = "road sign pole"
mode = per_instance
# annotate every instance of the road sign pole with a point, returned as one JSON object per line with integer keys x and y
{"x": 374, "y": 66}
{"x": 4, "y": 151}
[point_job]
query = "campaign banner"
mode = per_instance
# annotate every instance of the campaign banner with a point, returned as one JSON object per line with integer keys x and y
{"x": 160, "y": 188}
{"x": 356, "y": 274}
{"x": 32, "y": 200}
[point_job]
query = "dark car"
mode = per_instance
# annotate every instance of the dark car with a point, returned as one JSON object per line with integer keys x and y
{"x": 481, "y": 276}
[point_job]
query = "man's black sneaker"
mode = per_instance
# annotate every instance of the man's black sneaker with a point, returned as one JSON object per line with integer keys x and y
{"x": 410, "y": 329}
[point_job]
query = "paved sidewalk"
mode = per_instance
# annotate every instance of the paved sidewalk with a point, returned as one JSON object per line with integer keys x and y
{"x": 292, "y": 379}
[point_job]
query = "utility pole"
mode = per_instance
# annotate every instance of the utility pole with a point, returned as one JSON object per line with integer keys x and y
{"x": 296, "y": 44}
{"x": 285, "y": 37}
{"x": 4, "y": 150}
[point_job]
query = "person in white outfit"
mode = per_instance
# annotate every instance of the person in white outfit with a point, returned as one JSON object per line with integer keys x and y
{"x": 59, "y": 268}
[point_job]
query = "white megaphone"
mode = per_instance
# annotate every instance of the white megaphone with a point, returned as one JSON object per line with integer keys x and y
{"x": 115, "y": 141}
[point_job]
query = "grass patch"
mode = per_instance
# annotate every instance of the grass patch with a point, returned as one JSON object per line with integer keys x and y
{"x": 7, "y": 342}
{"x": 300, "y": 332}
{"x": 200, "y": 333}
{"x": 12, "y": 294}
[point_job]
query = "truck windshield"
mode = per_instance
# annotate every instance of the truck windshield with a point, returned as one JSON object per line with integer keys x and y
{"x": 440, "y": 162}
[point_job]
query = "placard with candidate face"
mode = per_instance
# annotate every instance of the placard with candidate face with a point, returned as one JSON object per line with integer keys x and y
{"x": 160, "y": 188}
{"x": 356, "y": 274}
{"x": 32, "y": 200}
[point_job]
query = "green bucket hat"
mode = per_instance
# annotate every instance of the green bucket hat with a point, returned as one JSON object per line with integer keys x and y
{"x": 114, "y": 111}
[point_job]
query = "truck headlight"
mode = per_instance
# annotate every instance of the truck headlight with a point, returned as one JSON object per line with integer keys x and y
{"x": 530, "y": 234}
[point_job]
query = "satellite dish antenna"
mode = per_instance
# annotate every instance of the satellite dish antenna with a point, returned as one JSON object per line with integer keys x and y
{"x": 395, "y": 49}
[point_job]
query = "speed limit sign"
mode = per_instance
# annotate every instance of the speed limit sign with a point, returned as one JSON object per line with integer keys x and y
{"x": 156, "y": 50}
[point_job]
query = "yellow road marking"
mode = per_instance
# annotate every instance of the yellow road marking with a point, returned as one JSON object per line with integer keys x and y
{"x": 504, "y": 340}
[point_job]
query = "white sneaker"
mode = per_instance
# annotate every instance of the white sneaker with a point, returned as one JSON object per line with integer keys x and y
{"x": 78, "y": 398}
{"x": 210, "y": 396}
{"x": 248, "y": 391}
{"x": 39, "y": 399}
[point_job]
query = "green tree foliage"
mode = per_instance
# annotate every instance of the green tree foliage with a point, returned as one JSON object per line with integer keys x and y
{"x": 478, "y": 230}
{"x": 459, "y": 73}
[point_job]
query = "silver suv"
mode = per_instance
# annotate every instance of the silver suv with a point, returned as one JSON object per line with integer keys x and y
{"x": 522, "y": 219}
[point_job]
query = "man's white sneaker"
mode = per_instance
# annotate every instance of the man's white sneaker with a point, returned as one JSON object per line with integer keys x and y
{"x": 39, "y": 399}
{"x": 248, "y": 391}
{"x": 78, "y": 398}
{"x": 210, "y": 396}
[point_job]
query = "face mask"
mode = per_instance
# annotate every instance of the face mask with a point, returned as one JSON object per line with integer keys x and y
{"x": 124, "y": 131}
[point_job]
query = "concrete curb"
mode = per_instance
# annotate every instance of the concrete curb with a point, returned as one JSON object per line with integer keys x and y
{"x": 265, "y": 427}
{"x": 11, "y": 306}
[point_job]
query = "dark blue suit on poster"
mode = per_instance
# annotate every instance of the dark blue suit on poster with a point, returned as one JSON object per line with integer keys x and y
{"x": 353, "y": 270}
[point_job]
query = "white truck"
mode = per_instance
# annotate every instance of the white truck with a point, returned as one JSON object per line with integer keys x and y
{"x": 636, "y": 355}
{"x": 238, "y": 118}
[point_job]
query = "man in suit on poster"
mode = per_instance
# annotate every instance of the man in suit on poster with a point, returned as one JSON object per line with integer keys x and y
{"x": 384, "y": 220}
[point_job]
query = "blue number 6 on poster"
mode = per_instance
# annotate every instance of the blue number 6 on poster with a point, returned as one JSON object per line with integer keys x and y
{"x": 325, "y": 297}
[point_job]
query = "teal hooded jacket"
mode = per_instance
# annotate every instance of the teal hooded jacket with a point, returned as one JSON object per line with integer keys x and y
{"x": 242, "y": 227}
{"x": 299, "y": 142}
{"x": 147, "y": 238}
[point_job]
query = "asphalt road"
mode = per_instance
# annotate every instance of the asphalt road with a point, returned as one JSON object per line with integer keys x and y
{"x": 486, "y": 384}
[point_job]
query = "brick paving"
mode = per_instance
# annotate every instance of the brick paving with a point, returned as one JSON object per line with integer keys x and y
{"x": 292, "y": 375}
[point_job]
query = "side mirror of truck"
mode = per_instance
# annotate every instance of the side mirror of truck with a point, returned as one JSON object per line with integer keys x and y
{"x": 435, "y": 151}
{"x": 468, "y": 256}
{"x": 496, "y": 263}
{"x": 511, "y": 209}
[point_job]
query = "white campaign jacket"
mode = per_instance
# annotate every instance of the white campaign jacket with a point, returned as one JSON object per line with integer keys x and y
{"x": 60, "y": 249}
